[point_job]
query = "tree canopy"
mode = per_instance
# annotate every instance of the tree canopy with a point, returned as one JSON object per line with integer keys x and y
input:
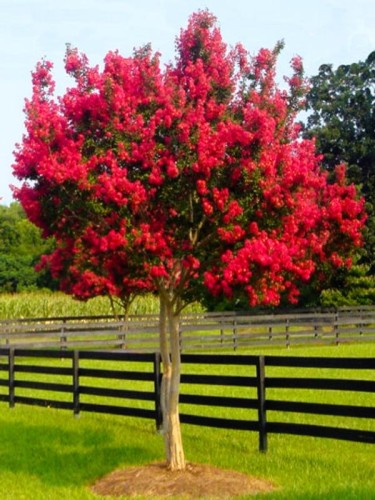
{"x": 342, "y": 119}
{"x": 179, "y": 179}
{"x": 21, "y": 247}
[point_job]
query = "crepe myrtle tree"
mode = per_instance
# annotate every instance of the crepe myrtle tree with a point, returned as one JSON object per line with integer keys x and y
{"x": 179, "y": 179}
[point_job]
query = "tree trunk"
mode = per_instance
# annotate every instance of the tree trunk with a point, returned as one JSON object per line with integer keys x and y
{"x": 171, "y": 359}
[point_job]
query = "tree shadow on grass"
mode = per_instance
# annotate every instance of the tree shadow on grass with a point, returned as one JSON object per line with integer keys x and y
{"x": 67, "y": 456}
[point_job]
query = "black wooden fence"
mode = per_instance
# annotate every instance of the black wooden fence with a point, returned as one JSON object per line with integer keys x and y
{"x": 255, "y": 397}
{"x": 225, "y": 330}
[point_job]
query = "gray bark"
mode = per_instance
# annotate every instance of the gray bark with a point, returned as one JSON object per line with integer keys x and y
{"x": 171, "y": 360}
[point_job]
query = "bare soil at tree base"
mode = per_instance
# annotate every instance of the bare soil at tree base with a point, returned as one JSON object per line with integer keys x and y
{"x": 197, "y": 481}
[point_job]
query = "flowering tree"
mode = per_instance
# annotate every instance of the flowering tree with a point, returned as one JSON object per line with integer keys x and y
{"x": 181, "y": 179}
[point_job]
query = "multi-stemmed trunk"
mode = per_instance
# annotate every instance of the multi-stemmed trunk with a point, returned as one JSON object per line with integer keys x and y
{"x": 170, "y": 388}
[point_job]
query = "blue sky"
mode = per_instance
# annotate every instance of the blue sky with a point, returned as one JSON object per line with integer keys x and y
{"x": 320, "y": 31}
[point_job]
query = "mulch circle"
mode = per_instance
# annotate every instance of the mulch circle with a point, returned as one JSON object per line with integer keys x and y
{"x": 197, "y": 481}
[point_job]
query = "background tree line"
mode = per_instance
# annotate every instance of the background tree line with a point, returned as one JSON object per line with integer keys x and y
{"x": 21, "y": 247}
{"x": 341, "y": 117}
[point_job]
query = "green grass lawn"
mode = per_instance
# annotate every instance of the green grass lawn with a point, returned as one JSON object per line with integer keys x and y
{"x": 49, "y": 454}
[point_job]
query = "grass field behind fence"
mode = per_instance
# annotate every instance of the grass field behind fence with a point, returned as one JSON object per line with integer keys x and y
{"x": 49, "y": 454}
{"x": 45, "y": 304}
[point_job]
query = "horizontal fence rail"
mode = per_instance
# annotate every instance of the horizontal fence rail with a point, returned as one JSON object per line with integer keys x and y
{"x": 211, "y": 331}
{"x": 265, "y": 394}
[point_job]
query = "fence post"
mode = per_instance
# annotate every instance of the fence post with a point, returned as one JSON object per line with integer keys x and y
{"x": 336, "y": 327}
{"x": 261, "y": 393}
{"x": 76, "y": 406}
{"x": 11, "y": 368}
{"x": 235, "y": 340}
{"x": 63, "y": 338}
{"x": 157, "y": 391}
{"x": 221, "y": 321}
{"x": 316, "y": 329}
{"x": 270, "y": 333}
{"x": 124, "y": 327}
{"x": 361, "y": 325}
{"x": 287, "y": 340}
